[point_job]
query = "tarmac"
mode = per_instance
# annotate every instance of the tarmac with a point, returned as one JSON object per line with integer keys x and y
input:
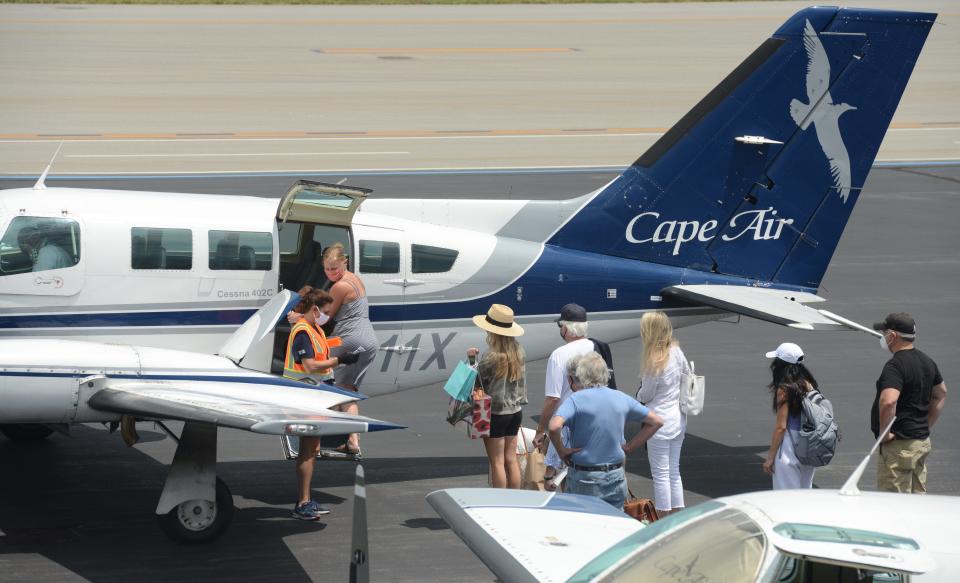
{"x": 81, "y": 507}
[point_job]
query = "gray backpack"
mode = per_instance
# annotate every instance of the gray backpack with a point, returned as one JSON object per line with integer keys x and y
{"x": 819, "y": 433}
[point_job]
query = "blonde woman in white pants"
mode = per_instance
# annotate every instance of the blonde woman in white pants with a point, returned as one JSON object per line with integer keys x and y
{"x": 662, "y": 364}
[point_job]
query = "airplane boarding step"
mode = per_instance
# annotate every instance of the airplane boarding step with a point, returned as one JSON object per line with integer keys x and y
{"x": 328, "y": 448}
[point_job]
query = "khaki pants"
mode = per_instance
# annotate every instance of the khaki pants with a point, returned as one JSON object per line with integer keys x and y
{"x": 902, "y": 466}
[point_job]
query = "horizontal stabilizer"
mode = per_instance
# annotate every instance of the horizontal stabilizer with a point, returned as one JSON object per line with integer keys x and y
{"x": 786, "y": 307}
{"x": 524, "y": 535}
{"x": 272, "y": 410}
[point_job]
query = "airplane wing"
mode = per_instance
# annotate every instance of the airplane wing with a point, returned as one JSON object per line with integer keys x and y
{"x": 785, "y": 307}
{"x": 523, "y": 535}
{"x": 251, "y": 407}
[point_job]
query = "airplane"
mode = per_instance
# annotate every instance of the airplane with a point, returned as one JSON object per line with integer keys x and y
{"x": 89, "y": 382}
{"x": 788, "y": 536}
{"x": 737, "y": 209}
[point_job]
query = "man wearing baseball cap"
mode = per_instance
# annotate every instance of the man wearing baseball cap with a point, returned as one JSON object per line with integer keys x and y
{"x": 912, "y": 389}
{"x": 573, "y": 329}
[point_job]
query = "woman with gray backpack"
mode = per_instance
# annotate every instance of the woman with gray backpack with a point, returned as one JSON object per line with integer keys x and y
{"x": 791, "y": 384}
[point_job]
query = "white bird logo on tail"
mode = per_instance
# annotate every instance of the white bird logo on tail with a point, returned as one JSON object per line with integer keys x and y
{"x": 822, "y": 112}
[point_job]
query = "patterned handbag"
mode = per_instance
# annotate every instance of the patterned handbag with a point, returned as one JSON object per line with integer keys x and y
{"x": 482, "y": 414}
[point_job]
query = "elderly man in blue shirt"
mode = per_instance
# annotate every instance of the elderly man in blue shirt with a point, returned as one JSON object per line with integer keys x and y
{"x": 595, "y": 416}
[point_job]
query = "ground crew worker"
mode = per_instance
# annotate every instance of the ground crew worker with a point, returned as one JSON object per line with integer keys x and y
{"x": 308, "y": 359}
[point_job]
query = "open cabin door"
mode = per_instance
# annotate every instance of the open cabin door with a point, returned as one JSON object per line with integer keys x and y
{"x": 322, "y": 203}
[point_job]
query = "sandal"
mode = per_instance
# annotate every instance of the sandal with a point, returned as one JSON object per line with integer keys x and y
{"x": 347, "y": 450}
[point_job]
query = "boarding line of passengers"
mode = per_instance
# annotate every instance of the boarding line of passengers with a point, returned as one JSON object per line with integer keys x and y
{"x": 582, "y": 425}
{"x": 586, "y": 425}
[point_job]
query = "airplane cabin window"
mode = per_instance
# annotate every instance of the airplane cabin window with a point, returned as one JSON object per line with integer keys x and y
{"x": 152, "y": 248}
{"x": 379, "y": 257}
{"x": 33, "y": 244}
{"x": 429, "y": 259}
{"x": 240, "y": 251}
{"x": 289, "y": 238}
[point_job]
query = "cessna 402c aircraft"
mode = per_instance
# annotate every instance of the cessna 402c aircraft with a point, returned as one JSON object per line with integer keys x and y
{"x": 737, "y": 209}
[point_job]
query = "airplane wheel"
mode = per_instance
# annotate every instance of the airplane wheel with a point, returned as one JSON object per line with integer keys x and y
{"x": 25, "y": 431}
{"x": 199, "y": 521}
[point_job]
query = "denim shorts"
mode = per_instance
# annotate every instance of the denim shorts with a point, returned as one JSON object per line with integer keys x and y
{"x": 611, "y": 487}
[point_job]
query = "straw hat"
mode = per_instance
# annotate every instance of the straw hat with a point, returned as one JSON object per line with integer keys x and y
{"x": 499, "y": 320}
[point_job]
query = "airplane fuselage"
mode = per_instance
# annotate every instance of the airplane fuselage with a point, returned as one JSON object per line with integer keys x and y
{"x": 428, "y": 265}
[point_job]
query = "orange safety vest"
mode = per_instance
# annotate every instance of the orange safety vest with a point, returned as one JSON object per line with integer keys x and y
{"x": 321, "y": 351}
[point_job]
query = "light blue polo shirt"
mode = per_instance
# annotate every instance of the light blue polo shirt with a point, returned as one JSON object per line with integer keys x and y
{"x": 596, "y": 418}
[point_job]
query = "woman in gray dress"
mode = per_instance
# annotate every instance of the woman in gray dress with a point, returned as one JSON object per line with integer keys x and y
{"x": 351, "y": 311}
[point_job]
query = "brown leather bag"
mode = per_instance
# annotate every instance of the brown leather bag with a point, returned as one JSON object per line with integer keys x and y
{"x": 641, "y": 508}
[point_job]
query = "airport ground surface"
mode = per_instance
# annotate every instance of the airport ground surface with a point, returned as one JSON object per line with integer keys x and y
{"x": 80, "y": 508}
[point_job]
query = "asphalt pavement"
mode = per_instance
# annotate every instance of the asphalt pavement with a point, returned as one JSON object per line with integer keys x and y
{"x": 81, "y": 507}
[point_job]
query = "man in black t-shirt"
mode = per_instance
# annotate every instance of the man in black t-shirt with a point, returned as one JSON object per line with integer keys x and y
{"x": 912, "y": 389}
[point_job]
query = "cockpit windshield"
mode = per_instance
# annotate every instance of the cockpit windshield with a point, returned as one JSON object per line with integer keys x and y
{"x": 39, "y": 244}
{"x": 724, "y": 546}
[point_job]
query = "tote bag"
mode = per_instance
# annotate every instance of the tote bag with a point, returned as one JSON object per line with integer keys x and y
{"x": 461, "y": 380}
{"x": 692, "y": 388}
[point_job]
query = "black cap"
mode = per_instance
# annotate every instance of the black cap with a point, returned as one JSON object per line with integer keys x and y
{"x": 901, "y": 322}
{"x": 573, "y": 313}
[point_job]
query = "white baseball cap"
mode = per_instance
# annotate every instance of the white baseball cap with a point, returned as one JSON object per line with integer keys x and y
{"x": 787, "y": 352}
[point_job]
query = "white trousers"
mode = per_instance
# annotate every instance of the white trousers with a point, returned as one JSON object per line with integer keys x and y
{"x": 664, "y": 456}
{"x": 788, "y": 473}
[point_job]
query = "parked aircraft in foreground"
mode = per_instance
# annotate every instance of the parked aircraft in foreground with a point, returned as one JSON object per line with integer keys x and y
{"x": 737, "y": 209}
{"x": 783, "y": 536}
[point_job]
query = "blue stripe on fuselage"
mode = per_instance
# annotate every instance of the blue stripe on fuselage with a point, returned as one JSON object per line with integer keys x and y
{"x": 218, "y": 317}
{"x": 559, "y": 276}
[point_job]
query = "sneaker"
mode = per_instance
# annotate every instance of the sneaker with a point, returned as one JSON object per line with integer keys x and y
{"x": 310, "y": 510}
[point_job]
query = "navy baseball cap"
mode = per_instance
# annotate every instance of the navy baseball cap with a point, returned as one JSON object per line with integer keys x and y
{"x": 573, "y": 313}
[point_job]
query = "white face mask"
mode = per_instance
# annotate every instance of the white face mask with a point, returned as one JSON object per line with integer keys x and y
{"x": 322, "y": 318}
{"x": 883, "y": 342}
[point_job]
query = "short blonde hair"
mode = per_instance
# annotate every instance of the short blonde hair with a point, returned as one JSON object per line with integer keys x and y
{"x": 334, "y": 252}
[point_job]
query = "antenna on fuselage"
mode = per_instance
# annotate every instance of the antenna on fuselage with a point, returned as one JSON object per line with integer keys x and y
{"x": 850, "y": 486}
{"x": 40, "y": 182}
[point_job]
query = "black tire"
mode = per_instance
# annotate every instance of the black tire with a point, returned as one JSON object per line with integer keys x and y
{"x": 198, "y": 521}
{"x": 25, "y": 432}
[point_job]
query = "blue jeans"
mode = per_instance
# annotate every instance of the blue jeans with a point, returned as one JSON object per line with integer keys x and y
{"x": 611, "y": 487}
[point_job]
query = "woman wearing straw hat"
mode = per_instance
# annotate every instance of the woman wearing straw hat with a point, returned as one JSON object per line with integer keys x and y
{"x": 502, "y": 375}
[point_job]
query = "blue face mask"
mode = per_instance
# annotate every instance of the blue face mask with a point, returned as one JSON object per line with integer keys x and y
{"x": 883, "y": 342}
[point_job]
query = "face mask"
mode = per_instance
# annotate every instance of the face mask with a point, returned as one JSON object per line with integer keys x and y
{"x": 883, "y": 342}
{"x": 322, "y": 318}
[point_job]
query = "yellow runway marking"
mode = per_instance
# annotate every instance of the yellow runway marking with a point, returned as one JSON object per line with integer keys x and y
{"x": 441, "y": 50}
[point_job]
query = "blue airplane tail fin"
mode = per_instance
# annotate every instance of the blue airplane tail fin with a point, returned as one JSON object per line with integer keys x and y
{"x": 759, "y": 179}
